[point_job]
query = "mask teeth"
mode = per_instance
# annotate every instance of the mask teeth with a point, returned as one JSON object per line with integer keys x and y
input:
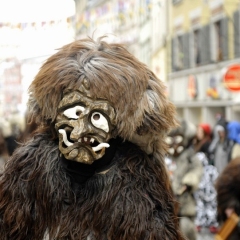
{"x": 86, "y": 140}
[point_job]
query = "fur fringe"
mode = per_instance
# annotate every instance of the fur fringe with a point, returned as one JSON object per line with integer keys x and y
{"x": 105, "y": 71}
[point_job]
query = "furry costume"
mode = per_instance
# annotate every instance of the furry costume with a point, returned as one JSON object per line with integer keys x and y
{"x": 228, "y": 193}
{"x": 187, "y": 174}
{"x": 95, "y": 167}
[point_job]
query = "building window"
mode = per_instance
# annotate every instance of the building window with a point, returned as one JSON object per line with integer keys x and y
{"x": 196, "y": 47}
{"x": 236, "y": 22}
{"x": 179, "y": 53}
{"x": 176, "y": 1}
{"x": 218, "y": 41}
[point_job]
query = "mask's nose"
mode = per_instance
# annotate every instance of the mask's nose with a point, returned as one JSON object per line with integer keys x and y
{"x": 81, "y": 128}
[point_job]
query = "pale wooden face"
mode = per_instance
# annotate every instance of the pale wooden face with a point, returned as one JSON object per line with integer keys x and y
{"x": 85, "y": 126}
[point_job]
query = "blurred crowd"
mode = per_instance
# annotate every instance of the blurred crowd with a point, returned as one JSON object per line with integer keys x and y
{"x": 14, "y": 130}
{"x": 198, "y": 163}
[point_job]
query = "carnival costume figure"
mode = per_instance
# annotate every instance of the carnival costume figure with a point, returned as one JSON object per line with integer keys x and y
{"x": 187, "y": 174}
{"x": 95, "y": 168}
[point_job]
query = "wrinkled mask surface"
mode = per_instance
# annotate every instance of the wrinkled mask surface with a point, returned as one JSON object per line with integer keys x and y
{"x": 84, "y": 126}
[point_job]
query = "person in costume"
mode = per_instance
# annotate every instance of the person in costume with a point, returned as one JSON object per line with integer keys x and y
{"x": 94, "y": 168}
{"x": 186, "y": 175}
{"x": 228, "y": 195}
{"x": 205, "y": 195}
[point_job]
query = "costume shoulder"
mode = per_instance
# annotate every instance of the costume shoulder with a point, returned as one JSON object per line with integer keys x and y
{"x": 230, "y": 175}
{"x": 136, "y": 200}
{"x": 228, "y": 182}
{"x": 228, "y": 189}
{"x": 28, "y": 180}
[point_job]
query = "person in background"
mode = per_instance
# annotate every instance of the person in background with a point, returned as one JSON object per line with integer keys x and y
{"x": 3, "y": 151}
{"x": 220, "y": 121}
{"x": 203, "y": 138}
{"x": 228, "y": 194}
{"x": 6, "y": 132}
{"x": 206, "y": 197}
{"x": 233, "y": 128}
{"x": 17, "y": 126}
{"x": 186, "y": 175}
{"x": 221, "y": 150}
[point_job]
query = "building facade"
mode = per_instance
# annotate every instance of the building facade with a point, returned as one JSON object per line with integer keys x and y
{"x": 205, "y": 43}
{"x": 139, "y": 24}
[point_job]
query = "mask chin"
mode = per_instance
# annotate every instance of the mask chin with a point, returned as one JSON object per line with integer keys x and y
{"x": 82, "y": 153}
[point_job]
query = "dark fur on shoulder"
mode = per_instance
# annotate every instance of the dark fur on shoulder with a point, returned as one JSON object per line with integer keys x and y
{"x": 228, "y": 189}
{"x": 132, "y": 201}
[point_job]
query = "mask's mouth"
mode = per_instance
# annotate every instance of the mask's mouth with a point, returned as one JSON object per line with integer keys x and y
{"x": 90, "y": 142}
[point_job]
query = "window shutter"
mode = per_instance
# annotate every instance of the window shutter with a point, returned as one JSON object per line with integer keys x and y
{"x": 186, "y": 51}
{"x": 205, "y": 53}
{"x": 224, "y": 37}
{"x": 236, "y": 21}
{"x": 191, "y": 50}
{"x": 174, "y": 54}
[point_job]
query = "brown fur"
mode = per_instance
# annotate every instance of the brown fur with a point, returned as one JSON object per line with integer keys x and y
{"x": 110, "y": 72}
{"x": 228, "y": 189}
{"x": 134, "y": 199}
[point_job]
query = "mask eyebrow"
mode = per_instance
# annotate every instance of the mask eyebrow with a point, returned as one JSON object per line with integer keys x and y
{"x": 70, "y": 99}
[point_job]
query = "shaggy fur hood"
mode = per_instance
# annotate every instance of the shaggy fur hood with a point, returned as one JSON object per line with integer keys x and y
{"x": 228, "y": 189}
{"x": 108, "y": 71}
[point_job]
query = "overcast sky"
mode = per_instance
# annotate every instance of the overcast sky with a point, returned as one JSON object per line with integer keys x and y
{"x": 35, "y": 10}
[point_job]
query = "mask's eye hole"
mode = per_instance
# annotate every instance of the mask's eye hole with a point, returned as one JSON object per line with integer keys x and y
{"x": 74, "y": 112}
{"x": 99, "y": 121}
{"x": 96, "y": 116}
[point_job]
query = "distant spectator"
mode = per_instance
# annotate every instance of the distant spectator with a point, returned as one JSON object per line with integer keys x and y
{"x": 203, "y": 138}
{"x": 186, "y": 174}
{"x": 221, "y": 150}
{"x": 3, "y": 151}
{"x": 220, "y": 121}
{"x": 206, "y": 197}
{"x": 233, "y": 128}
{"x": 13, "y": 127}
{"x": 228, "y": 194}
